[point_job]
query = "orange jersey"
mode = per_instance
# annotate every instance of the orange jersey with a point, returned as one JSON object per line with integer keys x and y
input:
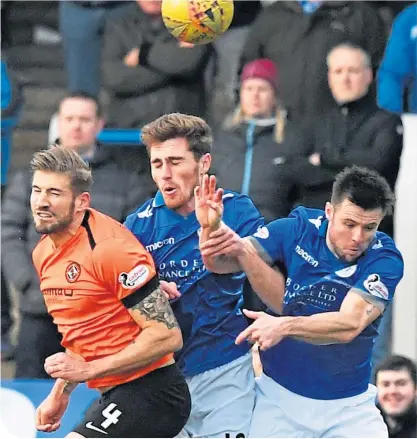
{"x": 83, "y": 282}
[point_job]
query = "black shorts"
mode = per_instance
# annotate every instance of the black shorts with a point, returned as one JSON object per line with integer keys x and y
{"x": 155, "y": 405}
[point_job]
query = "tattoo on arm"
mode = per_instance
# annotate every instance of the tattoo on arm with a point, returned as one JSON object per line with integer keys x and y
{"x": 370, "y": 309}
{"x": 68, "y": 385}
{"x": 156, "y": 307}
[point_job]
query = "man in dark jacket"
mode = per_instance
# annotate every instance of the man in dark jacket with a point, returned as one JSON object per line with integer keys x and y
{"x": 396, "y": 381}
{"x": 355, "y": 132}
{"x": 147, "y": 71}
{"x": 114, "y": 192}
{"x": 297, "y": 35}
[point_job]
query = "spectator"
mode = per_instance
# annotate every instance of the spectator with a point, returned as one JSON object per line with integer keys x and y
{"x": 396, "y": 381}
{"x": 114, "y": 192}
{"x": 11, "y": 104}
{"x": 355, "y": 132}
{"x": 228, "y": 49}
{"x": 297, "y": 35}
{"x": 147, "y": 71}
{"x": 81, "y": 24}
{"x": 398, "y": 71}
{"x": 247, "y": 147}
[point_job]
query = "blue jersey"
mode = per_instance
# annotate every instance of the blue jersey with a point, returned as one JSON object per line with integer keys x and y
{"x": 318, "y": 282}
{"x": 208, "y": 310}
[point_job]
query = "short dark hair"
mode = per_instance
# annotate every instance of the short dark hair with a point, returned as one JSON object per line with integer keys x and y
{"x": 64, "y": 161}
{"x": 86, "y": 96}
{"x": 363, "y": 187}
{"x": 398, "y": 362}
{"x": 177, "y": 125}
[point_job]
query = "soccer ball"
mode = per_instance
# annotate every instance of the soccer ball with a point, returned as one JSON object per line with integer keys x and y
{"x": 197, "y": 21}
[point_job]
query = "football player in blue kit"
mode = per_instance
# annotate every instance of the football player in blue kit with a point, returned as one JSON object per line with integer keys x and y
{"x": 219, "y": 373}
{"x": 316, "y": 339}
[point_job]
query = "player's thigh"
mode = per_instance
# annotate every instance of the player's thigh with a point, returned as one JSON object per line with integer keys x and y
{"x": 361, "y": 421}
{"x": 269, "y": 419}
{"x": 156, "y": 405}
{"x": 223, "y": 400}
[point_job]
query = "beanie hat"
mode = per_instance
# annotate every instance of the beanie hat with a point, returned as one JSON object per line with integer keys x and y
{"x": 261, "y": 68}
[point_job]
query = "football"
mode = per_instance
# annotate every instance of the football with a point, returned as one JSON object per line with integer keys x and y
{"x": 197, "y": 21}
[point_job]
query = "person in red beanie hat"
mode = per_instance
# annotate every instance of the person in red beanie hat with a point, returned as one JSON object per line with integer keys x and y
{"x": 250, "y": 143}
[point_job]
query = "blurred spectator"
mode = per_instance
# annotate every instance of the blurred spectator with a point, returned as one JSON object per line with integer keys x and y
{"x": 114, "y": 192}
{"x": 397, "y": 75}
{"x": 396, "y": 381}
{"x": 147, "y": 71}
{"x": 297, "y": 35}
{"x": 81, "y": 25}
{"x": 228, "y": 49}
{"x": 356, "y": 132}
{"x": 11, "y": 104}
{"x": 247, "y": 148}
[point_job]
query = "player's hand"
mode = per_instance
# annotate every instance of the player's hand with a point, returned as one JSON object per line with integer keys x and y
{"x": 169, "y": 289}
{"x": 315, "y": 159}
{"x": 223, "y": 241}
{"x": 208, "y": 203}
{"x": 265, "y": 330}
{"x": 132, "y": 58}
{"x": 49, "y": 414}
{"x": 63, "y": 366}
{"x": 185, "y": 45}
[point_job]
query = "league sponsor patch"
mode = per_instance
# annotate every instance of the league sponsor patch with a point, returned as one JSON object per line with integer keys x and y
{"x": 374, "y": 285}
{"x": 262, "y": 233}
{"x": 347, "y": 272}
{"x": 135, "y": 278}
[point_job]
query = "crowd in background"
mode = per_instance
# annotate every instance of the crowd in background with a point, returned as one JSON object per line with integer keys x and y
{"x": 294, "y": 90}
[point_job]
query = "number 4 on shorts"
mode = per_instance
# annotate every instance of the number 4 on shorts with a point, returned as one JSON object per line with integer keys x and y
{"x": 112, "y": 417}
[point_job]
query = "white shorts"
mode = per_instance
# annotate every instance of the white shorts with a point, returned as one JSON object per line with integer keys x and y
{"x": 222, "y": 401}
{"x": 281, "y": 413}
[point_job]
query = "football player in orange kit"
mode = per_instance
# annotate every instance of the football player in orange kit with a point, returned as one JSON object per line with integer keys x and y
{"x": 101, "y": 288}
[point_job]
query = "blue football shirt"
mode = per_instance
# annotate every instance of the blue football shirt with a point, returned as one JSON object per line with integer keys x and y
{"x": 208, "y": 310}
{"x": 318, "y": 282}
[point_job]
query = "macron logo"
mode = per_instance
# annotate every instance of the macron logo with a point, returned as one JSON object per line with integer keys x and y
{"x": 309, "y": 259}
{"x": 159, "y": 244}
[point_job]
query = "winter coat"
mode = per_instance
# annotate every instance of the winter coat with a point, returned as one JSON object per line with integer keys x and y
{"x": 398, "y": 71}
{"x": 245, "y": 157}
{"x": 168, "y": 78}
{"x": 357, "y": 133}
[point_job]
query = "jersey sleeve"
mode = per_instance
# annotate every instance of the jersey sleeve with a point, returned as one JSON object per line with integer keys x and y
{"x": 243, "y": 217}
{"x": 123, "y": 265}
{"x": 271, "y": 239}
{"x": 379, "y": 280}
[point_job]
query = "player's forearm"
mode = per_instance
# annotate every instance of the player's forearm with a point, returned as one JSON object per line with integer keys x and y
{"x": 62, "y": 388}
{"x": 151, "y": 345}
{"x": 321, "y": 329}
{"x": 222, "y": 264}
{"x": 268, "y": 283}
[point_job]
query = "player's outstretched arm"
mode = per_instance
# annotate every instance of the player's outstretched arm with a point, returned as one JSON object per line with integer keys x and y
{"x": 226, "y": 252}
{"x": 160, "y": 335}
{"x": 355, "y": 314}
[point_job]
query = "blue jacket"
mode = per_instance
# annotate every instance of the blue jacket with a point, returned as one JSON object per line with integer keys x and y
{"x": 11, "y": 102}
{"x": 398, "y": 69}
